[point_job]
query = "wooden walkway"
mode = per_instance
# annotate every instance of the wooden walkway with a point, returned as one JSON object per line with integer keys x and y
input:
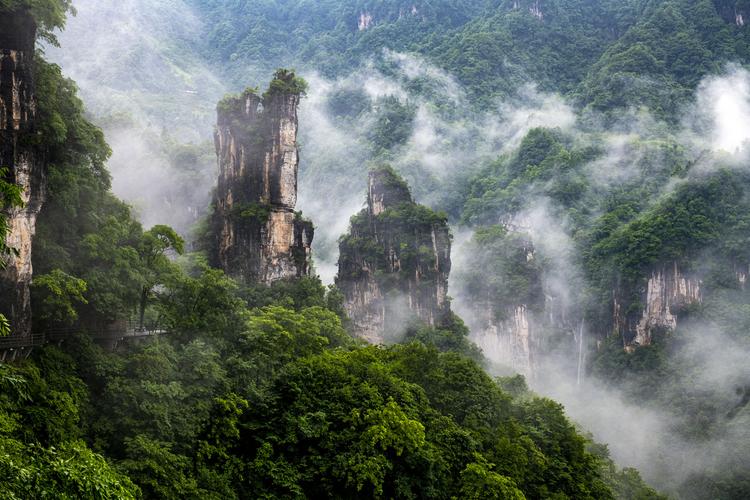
{"x": 15, "y": 347}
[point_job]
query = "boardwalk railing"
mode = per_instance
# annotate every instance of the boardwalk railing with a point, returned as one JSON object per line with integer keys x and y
{"x": 13, "y": 342}
{"x": 16, "y": 345}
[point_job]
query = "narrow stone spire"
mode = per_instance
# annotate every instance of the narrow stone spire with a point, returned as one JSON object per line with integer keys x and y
{"x": 394, "y": 263}
{"x": 258, "y": 236}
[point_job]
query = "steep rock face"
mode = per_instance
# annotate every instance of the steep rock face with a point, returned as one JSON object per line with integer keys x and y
{"x": 259, "y": 237}
{"x": 667, "y": 294}
{"x": 395, "y": 261}
{"x": 365, "y": 20}
{"x": 509, "y": 340}
{"x": 533, "y": 6}
{"x": 24, "y": 165}
{"x": 504, "y": 325}
{"x": 741, "y": 272}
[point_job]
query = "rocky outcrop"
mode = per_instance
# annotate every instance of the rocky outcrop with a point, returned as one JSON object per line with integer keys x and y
{"x": 741, "y": 272}
{"x": 394, "y": 263}
{"x": 533, "y": 6}
{"x": 24, "y": 166}
{"x": 259, "y": 238}
{"x": 667, "y": 294}
{"x": 365, "y": 21}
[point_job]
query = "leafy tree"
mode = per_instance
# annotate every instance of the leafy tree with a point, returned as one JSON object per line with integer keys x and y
{"x": 152, "y": 250}
{"x": 49, "y": 14}
{"x": 64, "y": 467}
{"x": 56, "y": 293}
{"x": 208, "y": 304}
{"x": 479, "y": 482}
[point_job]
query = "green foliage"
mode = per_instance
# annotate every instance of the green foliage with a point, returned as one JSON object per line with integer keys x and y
{"x": 235, "y": 102}
{"x": 55, "y": 296}
{"x": 546, "y": 164}
{"x": 393, "y": 123}
{"x": 67, "y": 472}
{"x": 4, "y": 326}
{"x": 286, "y": 82}
{"x": 660, "y": 59}
{"x": 479, "y": 482}
{"x": 155, "y": 265}
{"x": 393, "y": 184}
{"x": 504, "y": 270}
{"x": 204, "y": 304}
{"x": 676, "y": 229}
{"x": 159, "y": 472}
{"x": 289, "y": 405}
{"x": 83, "y": 230}
{"x": 411, "y": 215}
{"x": 259, "y": 212}
{"x": 451, "y": 336}
{"x": 58, "y": 466}
{"x": 48, "y": 14}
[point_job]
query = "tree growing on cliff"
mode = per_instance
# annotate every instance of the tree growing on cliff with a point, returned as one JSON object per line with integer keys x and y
{"x": 285, "y": 81}
{"x": 48, "y": 14}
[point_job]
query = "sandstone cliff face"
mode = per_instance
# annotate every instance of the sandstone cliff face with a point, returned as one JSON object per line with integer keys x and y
{"x": 394, "y": 263}
{"x": 667, "y": 294}
{"x": 259, "y": 237}
{"x": 24, "y": 165}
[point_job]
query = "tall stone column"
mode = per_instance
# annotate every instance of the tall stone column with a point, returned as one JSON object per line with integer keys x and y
{"x": 259, "y": 238}
{"x": 394, "y": 263}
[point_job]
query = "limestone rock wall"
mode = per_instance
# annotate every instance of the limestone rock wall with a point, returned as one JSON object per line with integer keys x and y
{"x": 259, "y": 237}
{"x": 24, "y": 165}
{"x": 508, "y": 341}
{"x": 394, "y": 263}
{"x": 668, "y": 292}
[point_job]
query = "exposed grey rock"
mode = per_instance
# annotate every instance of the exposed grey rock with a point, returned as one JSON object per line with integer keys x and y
{"x": 394, "y": 263}
{"x": 258, "y": 236}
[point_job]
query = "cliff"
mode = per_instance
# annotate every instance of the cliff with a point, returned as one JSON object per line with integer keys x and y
{"x": 25, "y": 166}
{"x": 667, "y": 294}
{"x": 507, "y": 339}
{"x": 395, "y": 261}
{"x": 534, "y": 7}
{"x": 258, "y": 236}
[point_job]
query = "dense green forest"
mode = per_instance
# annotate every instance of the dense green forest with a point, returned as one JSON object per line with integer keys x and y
{"x": 577, "y": 147}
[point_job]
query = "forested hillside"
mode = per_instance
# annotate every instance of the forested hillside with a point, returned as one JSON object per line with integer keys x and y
{"x": 574, "y": 170}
